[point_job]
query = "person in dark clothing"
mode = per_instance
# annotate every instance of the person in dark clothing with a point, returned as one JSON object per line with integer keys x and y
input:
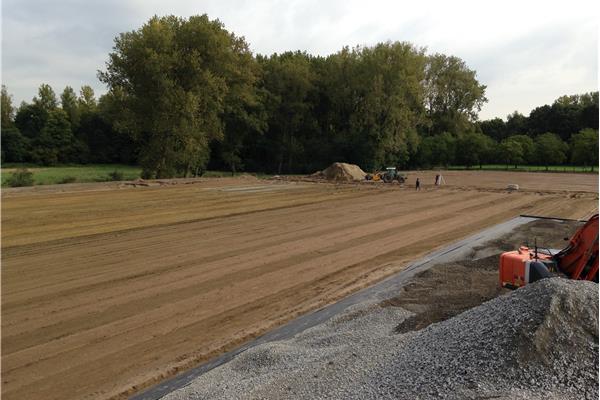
{"x": 418, "y": 184}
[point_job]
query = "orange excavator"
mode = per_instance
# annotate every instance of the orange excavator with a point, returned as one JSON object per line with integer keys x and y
{"x": 579, "y": 260}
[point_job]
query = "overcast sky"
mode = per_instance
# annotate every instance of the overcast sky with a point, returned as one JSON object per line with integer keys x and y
{"x": 527, "y": 53}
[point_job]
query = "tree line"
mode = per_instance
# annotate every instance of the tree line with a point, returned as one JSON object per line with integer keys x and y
{"x": 185, "y": 95}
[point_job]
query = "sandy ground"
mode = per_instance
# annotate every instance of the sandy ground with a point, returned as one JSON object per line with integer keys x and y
{"x": 107, "y": 289}
{"x": 379, "y": 348}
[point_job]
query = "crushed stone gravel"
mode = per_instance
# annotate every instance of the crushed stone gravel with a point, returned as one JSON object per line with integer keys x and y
{"x": 538, "y": 342}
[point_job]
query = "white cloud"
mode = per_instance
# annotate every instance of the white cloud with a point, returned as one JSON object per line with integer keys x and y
{"x": 527, "y": 53}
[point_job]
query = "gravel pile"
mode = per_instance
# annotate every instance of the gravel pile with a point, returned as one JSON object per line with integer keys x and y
{"x": 538, "y": 342}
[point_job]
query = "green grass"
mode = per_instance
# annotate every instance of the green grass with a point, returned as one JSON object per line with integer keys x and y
{"x": 90, "y": 173}
{"x": 527, "y": 168}
{"x": 71, "y": 173}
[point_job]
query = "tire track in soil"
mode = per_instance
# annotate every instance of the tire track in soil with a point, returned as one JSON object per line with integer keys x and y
{"x": 242, "y": 295}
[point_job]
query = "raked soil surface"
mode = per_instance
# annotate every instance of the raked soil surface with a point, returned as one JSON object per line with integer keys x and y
{"x": 107, "y": 289}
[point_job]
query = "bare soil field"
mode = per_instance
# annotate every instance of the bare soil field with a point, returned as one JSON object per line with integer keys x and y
{"x": 108, "y": 288}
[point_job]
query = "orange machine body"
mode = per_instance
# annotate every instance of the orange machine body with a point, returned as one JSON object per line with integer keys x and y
{"x": 579, "y": 260}
{"x": 515, "y": 266}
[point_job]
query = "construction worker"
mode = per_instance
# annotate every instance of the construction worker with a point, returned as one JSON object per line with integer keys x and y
{"x": 418, "y": 184}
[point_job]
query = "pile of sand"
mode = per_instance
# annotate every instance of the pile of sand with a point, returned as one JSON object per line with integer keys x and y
{"x": 341, "y": 172}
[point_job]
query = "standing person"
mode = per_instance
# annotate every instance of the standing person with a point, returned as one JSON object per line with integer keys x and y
{"x": 437, "y": 179}
{"x": 418, "y": 184}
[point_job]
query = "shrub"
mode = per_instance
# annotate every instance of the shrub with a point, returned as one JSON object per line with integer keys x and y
{"x": 115, "y": 176}
{"x": 21, "y": 177}
{"x": 146, "y": 174}
{"x": 68, "y": 179}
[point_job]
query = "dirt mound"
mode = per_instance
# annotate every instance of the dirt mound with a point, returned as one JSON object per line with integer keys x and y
{"x": 139, "y": 182}
{"x": 341, "y": 172}
{"x": 247, "y": 177}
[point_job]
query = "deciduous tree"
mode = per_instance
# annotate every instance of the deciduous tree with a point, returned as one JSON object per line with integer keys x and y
{"x": 8, "y": 112}
{"x": 510, "y": 152}
{"x": 527, "y": 146}
{"x": 453, "y": 96}
{"x": 55, "y": 140}
{"x": 584, "y": 148}
{"x": 550, "y": 150}
{"x": 46, "y": 98}
{"x": 174, "y": 75}
{"x": 68, "y": 102}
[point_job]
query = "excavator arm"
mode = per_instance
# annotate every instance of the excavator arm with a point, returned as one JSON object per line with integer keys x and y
{"x": 579, "y": 260}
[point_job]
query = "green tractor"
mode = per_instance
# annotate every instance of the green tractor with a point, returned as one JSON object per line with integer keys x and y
{"x": 391, "y": 174}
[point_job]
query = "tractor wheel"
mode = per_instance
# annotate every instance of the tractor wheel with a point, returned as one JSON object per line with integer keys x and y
{"x": 387, "y": 179}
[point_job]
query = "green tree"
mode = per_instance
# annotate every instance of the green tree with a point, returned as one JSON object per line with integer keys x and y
{"x": 173, "y": 76}
{"x": 516, "y": 124}
{"x": 550, "y": 149}
{"x": 446, "y": 149}
{"x": 425, "y": 154}
{"x": 494, "y": 128}
{"x": 438, "y": 150}
{"x": 288, "y": 81}
{"x": 87, "y": 100}
{"x": 243, "y": 115}
{"x": 540, "y": 120}
{"x": 8, "y": 112}
{"x": 489, "y": 151}
{"x": 15, "y": 147}
{"x": 389, "y": 103}
{"x": 30, "y": 119}
{"x": 584, "y": 148}
{"x": 510, "y": 152}
{"x": 55, "y": 140}
{"x": 473, "y": 149}
{"x": 90, "y": 132}
{"x": 68, "y": 102}
{"x": 589, "y": 111}
{"x": 336, "y": 100}
{"x": 565, "y": 118}
{"x": 453, "y": 96}
{"x": 46, "y": 98}
{"x": 100, "y": 143}
{"x": 527, "y": 146}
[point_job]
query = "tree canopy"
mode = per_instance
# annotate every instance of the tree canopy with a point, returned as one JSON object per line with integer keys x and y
{"x": 585, "y": 148}
{"x": 185, "y": 94}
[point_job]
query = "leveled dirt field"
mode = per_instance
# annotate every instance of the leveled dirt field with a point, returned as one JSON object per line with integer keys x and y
{"x": 109, "y": 288}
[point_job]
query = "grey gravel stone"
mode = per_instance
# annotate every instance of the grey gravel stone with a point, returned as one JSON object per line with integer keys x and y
{"x": 538, "y": 342}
